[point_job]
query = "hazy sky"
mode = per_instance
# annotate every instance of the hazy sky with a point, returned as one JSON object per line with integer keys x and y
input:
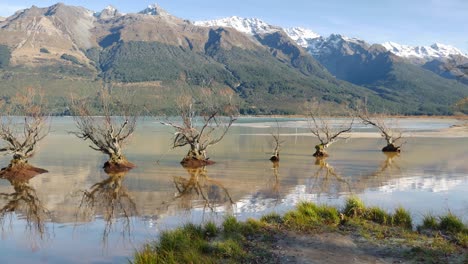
{"x": 412, "y": 22}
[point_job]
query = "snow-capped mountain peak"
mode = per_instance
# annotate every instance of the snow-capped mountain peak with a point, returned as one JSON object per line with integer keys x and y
{"x": 107, "y": 12}
{"x": 251, "y": 26}
{"x": 327, "y": 45}
{"x": 435, "y": 51}
{"x": 110, "y": 8}
{"x": 301, "y": 36}
{"x": 154, "y": 10}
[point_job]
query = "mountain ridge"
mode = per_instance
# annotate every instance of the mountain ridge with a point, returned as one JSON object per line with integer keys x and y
{"x": 273, "y": 72}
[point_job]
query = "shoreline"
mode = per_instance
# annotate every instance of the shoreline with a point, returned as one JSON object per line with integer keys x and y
{"x": 312, "y": 233}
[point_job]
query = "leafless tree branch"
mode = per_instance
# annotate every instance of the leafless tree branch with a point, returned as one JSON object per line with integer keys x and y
{"x": 323, "y": 130}
{"x": 23, "y": 123}
{"x": 201, "y": 125}
{"x": 390, "y": 133}
{"x": 108, "y": 133}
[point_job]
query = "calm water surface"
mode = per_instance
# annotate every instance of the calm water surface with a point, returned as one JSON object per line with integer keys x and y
{"x": 92, "y": 217}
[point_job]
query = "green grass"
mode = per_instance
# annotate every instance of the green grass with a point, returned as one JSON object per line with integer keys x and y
{"x": 402, "y": 218}
{"x": 252, "y": 241}
{"x": 429, "y": 222}
{"x": 354, "y": 207}
{"x": 378, "y": 215}
{"x": 451, "y": 223}
{"x": 309, "y": 216}
{"x": 208, "y": 244}
{"x": 272, "y": 218}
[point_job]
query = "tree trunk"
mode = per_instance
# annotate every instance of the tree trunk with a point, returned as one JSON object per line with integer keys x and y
{"x": 275, "y": 157}
{"x": 117, "y": 163}
{"x": 320, "y": 151}
{"x": 391, "y": 148}
{"x": 195, "y": 158}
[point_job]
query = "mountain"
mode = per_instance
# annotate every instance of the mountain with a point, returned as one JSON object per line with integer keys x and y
{"x": 43, "y": 35}
{"x": 107, "y": 13}
{"x": 157, "y": 56}
{"x": 351, "y": 59}
{"x": 394, "y": 78}
{"x": 251, "y": 26}
{"x": 154, "y": 10}
{"x": 301, "y": 36}
{"x": 423, "y": 53}
{"x": 444, "y": 60}
{"x": 441, "y": 59}
{"x": 2, "y": 19}
{"x": 71, "y": 49}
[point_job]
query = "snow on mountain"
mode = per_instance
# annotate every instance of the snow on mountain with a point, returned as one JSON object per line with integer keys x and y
{"x": 251, "y": 26}
{"x": 323, "y": 45}
{"x": 154, "y": 10}
{"x": 434, "y": 51}
{"x": 301, "y": 36}
{"x": 108, "y": 12}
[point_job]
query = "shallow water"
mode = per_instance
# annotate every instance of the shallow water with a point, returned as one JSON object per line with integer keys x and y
{"x": 107, "y": 225}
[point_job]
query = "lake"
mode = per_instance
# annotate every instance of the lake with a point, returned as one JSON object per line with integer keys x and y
{"x": 76, "y": 213}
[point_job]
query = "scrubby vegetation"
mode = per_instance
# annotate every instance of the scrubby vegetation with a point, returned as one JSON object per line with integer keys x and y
{"x": 254, "y": 241}
{"x": 44, "y": 50}
{"x": 70, "y": 58}
{"x": 5, "y": 55}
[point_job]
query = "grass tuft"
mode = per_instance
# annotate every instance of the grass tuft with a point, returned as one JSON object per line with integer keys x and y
{"x": 378, "y": 215}
{"x": 211, "y": 230}
{"x": 402, "y": 218}
{"x": 231, "y": 225}
{"x": 328, "y": 215}
{"x": 430, "y": 222}
{"x": 272, "y": 218}
{"x": 451, "y": 223}
{"x": 354, "y": 207}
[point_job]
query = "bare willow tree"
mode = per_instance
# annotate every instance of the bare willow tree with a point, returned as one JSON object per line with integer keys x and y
{"x": 204, "y": 121}
{"x": 111, "y": 199}
{"x": 23, "y": 124}
{"x": 322, "y": 127}
{"x": 389, "y": 132}
{"x": 277, "y": 142}
{"x": 107, "y": 133}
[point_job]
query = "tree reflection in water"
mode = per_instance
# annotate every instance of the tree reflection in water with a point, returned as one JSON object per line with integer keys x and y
{"x": 23, "y": 201}
{"x": 201, "y": 191}
{"x": 388, "y": 169}
{"x": 390, "y": 165}
{"x": 275, "y": 188}
{"x": 271, "y": 192}
{"x": 326, "y": 181}
{"x": 111, "y": 200}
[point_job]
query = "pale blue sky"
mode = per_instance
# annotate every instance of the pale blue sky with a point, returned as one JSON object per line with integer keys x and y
{"x": 412, "y": 22}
